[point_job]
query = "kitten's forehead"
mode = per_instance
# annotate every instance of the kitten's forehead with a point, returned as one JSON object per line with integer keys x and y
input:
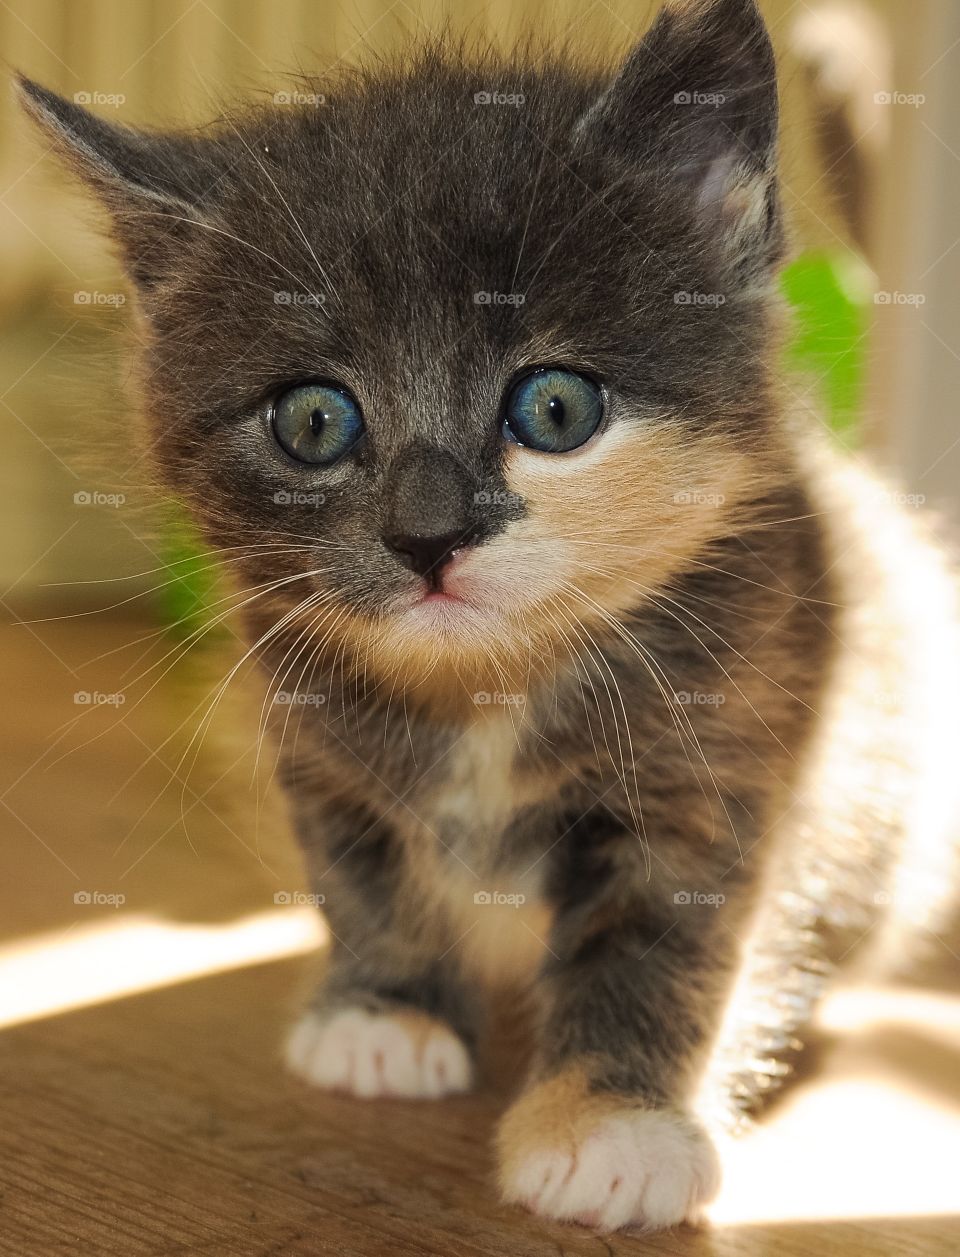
{"x": 448, "y": 242}
{"x": 439, "y": 197}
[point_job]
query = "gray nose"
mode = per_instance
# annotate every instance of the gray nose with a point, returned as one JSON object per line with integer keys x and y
{"x": 430, "y": 509}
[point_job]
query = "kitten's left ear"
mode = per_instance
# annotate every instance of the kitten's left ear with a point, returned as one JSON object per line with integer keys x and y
{"x": 696, "y": 105}
{"x": 159, "y": 187}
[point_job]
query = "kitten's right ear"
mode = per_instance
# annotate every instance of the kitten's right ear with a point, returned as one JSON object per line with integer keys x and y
{"x": 695, "y": 105}
{"x": 159, "y": 187}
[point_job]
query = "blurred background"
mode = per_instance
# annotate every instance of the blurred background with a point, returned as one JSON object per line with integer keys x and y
{"x": 141, "y": 842}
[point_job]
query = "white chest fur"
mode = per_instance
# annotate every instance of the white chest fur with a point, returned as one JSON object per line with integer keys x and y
{"x": 490, "y": 897}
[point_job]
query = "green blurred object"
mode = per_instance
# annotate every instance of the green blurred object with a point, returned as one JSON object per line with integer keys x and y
{"x": 829, "y": 297}
{"x": 829, "y": 294}
{"x": 191, "y": 590}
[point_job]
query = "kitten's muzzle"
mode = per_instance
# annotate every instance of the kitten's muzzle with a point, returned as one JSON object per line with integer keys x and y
{"x": 430, "y": 511}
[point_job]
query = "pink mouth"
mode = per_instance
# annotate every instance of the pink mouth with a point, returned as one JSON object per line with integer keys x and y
{"x": 437, "y": 595}
{"x": 437, "y": 588}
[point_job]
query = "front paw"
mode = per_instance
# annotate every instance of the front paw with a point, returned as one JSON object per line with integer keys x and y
{"x": 403, "y": 1054}
{"x": 603, "y": 1161}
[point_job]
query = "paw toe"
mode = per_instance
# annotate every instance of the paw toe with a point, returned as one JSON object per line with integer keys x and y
{"x": 407, "y": 1055}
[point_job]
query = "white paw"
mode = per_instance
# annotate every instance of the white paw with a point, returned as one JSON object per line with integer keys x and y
{"x": 404, "y": 1054}
{"x": 643, "y": 1169}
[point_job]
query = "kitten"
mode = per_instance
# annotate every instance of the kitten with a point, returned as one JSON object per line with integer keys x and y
{"x": 476, "y": 365}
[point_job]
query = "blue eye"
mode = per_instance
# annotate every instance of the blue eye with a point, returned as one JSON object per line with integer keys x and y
{"x": 553, "y": 410}
{"x": 317, "y": 423}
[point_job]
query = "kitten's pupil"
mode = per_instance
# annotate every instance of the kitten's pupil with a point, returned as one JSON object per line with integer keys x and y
{"x": 318, "y": 418}
{"x": 556, "y": 411}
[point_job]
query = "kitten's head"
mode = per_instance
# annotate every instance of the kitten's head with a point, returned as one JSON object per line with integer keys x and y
{"x": 475, "y": 352}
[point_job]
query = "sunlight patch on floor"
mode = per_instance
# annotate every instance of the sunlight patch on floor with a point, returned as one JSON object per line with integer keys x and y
{"x": 53, "y": 973}
{"x": 872, "y": 1139}
{"x": 845, "y": 1150}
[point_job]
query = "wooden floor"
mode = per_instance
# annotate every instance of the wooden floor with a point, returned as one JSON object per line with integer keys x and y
{"x": 144, "y": 1110}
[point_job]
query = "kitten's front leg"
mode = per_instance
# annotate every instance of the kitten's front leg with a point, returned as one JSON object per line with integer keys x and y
{"x": 604, "y": 1133}
{"x": 390, "y": 1018}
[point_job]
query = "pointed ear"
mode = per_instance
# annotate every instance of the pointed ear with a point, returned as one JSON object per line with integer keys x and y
{"x": 158, "y": 187}
{"x": 696, "y": 105}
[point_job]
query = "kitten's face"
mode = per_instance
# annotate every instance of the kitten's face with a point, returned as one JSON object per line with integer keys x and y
{"x": 469, "y": 374}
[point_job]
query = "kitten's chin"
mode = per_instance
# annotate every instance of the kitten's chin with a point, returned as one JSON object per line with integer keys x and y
{"x": 447, "y": 615}
{"x": 447, "y": 649}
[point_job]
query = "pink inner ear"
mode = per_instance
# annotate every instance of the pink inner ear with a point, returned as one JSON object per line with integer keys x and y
{"x": 733, "y": 198}
{"x": 717, "y": 185}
